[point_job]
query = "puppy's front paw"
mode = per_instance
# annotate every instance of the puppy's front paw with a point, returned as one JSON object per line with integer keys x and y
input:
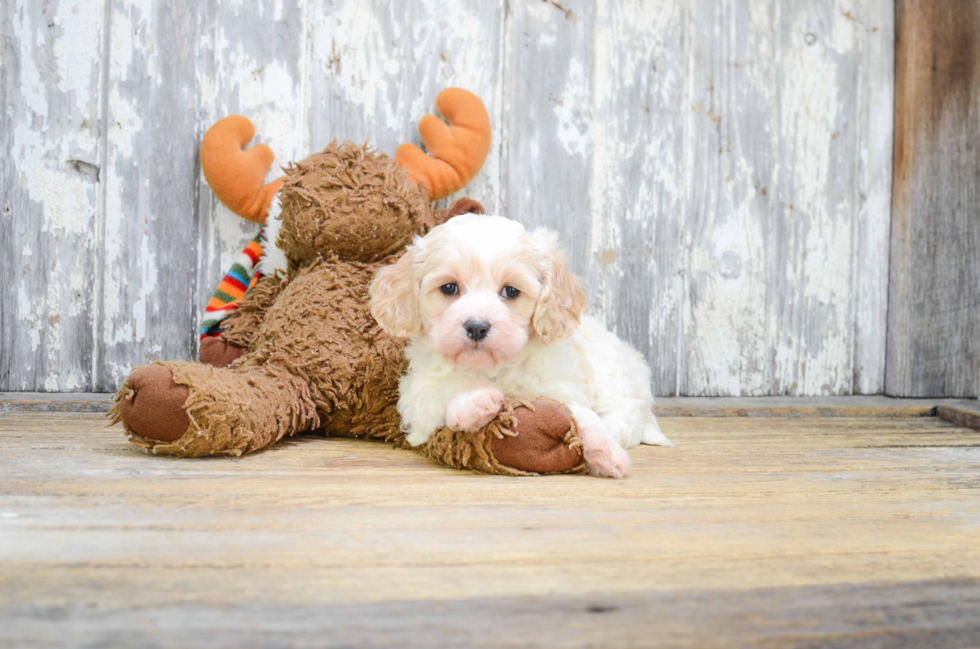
{"x": 602, "y": 454}
{"x": 471, "y": 411}
{"x": 609, "y": 459}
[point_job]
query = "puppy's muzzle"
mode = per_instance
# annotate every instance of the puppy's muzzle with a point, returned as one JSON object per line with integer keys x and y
{"x": 476, "y": 330}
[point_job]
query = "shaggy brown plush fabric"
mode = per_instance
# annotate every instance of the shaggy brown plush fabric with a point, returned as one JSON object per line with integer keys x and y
{"x": 320, "y": 329}
{"x": 527, "y": 438}
{"x": 350, "y": 202}
{"x": 231, "y": 412}
{"x": 242, "y": 325}
{"x": 316, "y": 360}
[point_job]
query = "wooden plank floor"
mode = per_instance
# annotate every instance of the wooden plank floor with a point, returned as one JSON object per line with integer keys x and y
{"x": 777, "y": 531}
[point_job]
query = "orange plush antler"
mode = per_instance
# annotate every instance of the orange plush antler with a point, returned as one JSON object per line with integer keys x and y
{"x": 235, "y": 175}
{"x": 456, "y": 152}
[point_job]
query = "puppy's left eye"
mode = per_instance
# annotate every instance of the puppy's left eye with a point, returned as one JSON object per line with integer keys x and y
{"x": 510, "y": 292}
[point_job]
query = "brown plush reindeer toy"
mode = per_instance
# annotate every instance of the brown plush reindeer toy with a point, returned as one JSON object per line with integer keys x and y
{"x": 302, "y": 350}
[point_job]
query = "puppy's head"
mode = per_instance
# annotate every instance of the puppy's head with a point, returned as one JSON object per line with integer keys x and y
{"x": 479, "y": 287}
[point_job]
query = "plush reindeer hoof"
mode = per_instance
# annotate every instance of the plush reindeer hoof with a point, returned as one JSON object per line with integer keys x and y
{"x": 152, "y": 405}
{"x": 217, "y": 353}
{"x": 546, "y": 440}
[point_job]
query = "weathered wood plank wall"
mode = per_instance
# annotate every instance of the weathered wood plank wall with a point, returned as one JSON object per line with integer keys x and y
{"x": 720, "y": 172}
{"x": 934, "y": 317}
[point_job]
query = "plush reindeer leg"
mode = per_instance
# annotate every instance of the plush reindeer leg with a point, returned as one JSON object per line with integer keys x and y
{"x": 527, "y": 438}
{"x": 312, "y": 351}
{"x": 218, "y": 353}
{"x": 193, "y": 410}
{"x": 243, "y": 324}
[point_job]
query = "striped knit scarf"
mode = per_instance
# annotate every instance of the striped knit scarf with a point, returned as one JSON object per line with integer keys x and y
{"x": 238, "y": 281}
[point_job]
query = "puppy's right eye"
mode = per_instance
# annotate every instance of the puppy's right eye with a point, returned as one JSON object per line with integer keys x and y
{"x": 449, "y": 289}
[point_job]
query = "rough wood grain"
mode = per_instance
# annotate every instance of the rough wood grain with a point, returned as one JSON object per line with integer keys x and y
{"x": 875, "y": 95}
{"x": 376, "y": 68}
{"x": 960, "y": 412}
{"x": 635, "y": 260}
{"x": 51, "y": 184}
{"x": 730, "y": 132}
{"x": 938, "y": 613}
{"x": 254, "y": 62}
{"x": 934, "y": 296}
{"x": 665, "y": 141}
{"x": 815, "y": 206}
{"x": 151, "y": 235}
{"x": 804, "y": 532}
{"x": 547, "y": 120}
{"x": 55, "y": 402}
{"x": 962, "y": 415}
{"x": 780, "y": 125}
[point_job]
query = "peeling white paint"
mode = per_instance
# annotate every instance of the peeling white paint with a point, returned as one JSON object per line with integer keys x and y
{"x": 573, "y": 126}
{"x": 53, "y": 190}
{"x": 353, "y": 47}
{"x": 690, "y": 153}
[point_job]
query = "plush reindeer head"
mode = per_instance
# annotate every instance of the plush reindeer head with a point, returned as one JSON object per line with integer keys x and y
{"x": 349, "y": 200}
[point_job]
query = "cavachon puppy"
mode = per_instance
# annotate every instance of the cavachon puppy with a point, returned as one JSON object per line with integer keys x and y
{"x": 492, "y": 310}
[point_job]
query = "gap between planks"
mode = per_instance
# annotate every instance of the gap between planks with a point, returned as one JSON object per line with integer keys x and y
{"x": 959, "y": 412}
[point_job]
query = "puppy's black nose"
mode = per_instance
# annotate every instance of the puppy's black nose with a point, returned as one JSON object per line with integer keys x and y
{"x": 477, "y": 329}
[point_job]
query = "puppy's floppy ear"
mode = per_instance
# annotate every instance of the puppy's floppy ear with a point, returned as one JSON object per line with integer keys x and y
{"x": 562, "y": 299}
{"x": 395, "y": 298}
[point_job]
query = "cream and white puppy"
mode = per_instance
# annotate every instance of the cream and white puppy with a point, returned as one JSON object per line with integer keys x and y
{"x": 492, "y": 310}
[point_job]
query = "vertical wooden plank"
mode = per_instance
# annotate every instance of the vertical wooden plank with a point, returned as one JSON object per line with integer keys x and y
{"x": 376, "y": 67}
{"x": 719, "y": 173}
{"x": 253, "y": 63}
{"x": 547, "y": 121}
{"x": 6, "y": 212}
{"x": 730, "y": 189}
{"x": 151, "y": 227}
{"x": 934, "y": 280}
{"x": 781, "y": 225}
{"x": 6, "y": 221}
{"x": 876, "y": 94}
{"x": 51, "y": 185}
{"x": 813, "y": 306}
{"x": 635, "y": 255}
